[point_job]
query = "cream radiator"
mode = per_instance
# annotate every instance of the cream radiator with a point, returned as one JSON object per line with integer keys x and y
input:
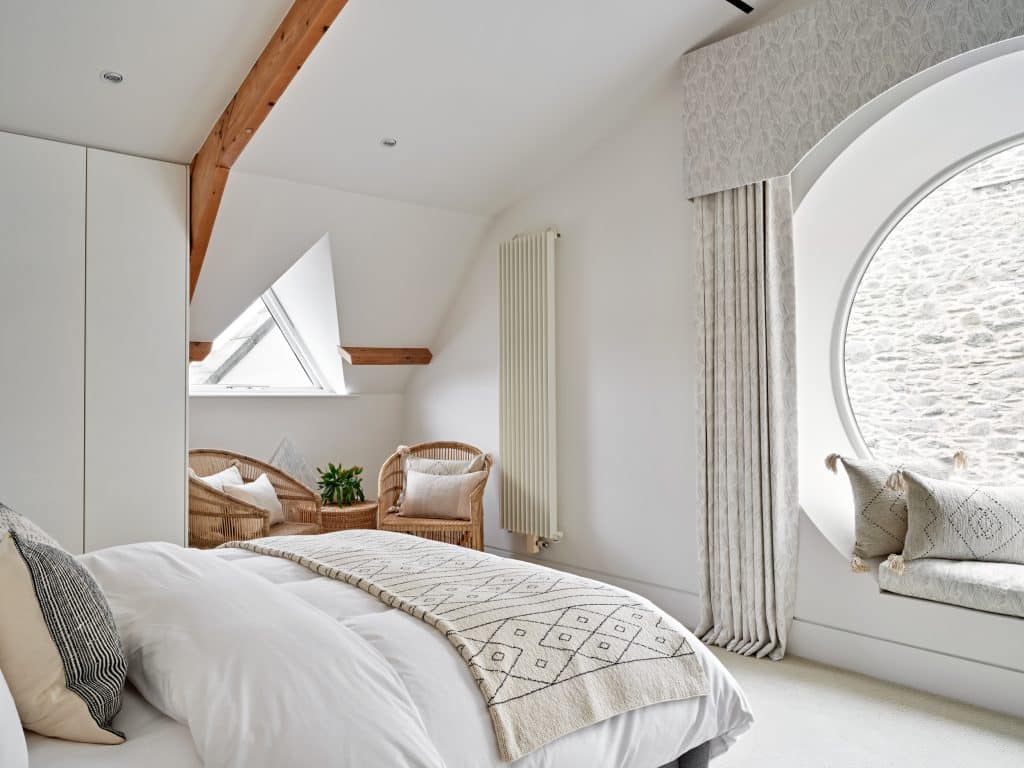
{"x": 529, "y": 489}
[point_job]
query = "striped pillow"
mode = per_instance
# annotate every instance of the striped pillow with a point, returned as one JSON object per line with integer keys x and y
{"x": 12, "y": 521}
{"x": 59, "y": 648}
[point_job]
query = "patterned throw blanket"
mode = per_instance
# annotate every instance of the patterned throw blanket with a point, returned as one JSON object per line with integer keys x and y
{"x": 551, "y": 652}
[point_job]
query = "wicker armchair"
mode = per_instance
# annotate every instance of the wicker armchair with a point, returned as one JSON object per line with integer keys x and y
{"x": 466, "y": 533}
{"x": 215, "y": 517}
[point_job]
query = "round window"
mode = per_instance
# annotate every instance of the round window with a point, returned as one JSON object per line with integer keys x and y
{"x": 934, "y": 349}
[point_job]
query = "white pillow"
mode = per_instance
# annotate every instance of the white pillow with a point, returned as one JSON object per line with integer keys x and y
{"x": 440, "y": 496}
{"x": 13, "y": 750}
{"x": 260, "y": 493}
{"x": 218, "y": 480}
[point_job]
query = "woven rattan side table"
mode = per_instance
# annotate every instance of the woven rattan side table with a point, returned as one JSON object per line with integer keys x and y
{"x": 361, "y": 515}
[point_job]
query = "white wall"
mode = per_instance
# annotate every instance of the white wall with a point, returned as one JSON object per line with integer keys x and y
{"x": 395, "y": 264}
{"x": 626, "y": 354}
{"x": 626, "y": 335}
{"x": 361, "y": 430}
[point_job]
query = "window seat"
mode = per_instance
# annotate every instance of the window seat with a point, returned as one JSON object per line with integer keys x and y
{"x": 992, "y": 587}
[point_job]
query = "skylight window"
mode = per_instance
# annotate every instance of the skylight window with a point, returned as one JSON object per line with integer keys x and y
{"x": 285, "y": 342}
{"x": 260, "y": 350}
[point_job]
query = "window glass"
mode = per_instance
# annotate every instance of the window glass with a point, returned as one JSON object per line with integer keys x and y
{"x": 934, "y": 348}
{"x": 252, "y": 354}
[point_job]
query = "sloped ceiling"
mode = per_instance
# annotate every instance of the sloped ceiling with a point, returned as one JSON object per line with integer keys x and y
{"x": 397, "y": 265}
{"x": 487, "y": 100}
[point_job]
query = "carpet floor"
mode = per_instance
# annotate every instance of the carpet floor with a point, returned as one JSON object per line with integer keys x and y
{"x": 812, "y": 716}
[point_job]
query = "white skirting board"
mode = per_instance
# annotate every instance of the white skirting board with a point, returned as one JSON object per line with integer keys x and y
{"x": 983, "y": 685}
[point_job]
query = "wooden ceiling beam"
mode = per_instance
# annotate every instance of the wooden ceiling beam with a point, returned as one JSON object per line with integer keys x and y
{"x": 199, "y": 350}
{"x": 301, "y": 29}
{"x": 385, "y": 355}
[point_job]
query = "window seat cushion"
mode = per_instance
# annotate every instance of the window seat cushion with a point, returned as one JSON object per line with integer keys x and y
{"x": 984, "y": 586}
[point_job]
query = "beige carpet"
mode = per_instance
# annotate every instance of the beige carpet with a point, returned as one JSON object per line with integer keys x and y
{"x": 808, "y": 715}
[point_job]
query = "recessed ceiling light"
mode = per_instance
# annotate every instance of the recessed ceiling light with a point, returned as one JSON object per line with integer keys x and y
{"x": 113, "y": 77}
{"x": 389, "y": 141}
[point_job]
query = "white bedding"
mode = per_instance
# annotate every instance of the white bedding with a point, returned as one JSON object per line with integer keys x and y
{"x": 307, "y": 670}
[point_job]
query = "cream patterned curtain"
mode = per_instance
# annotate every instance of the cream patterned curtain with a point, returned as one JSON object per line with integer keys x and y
{"x": 746, "y": 392}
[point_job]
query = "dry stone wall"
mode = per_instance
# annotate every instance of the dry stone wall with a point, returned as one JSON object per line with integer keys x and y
{"x": 934, "y": 351}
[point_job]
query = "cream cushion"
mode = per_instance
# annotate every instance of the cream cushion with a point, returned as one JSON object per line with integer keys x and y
{"x": 13, "y": 750}
{"x": 438, "y": 467}
{"x": 61, "y": 653}
{"x": 220, "y": 479}
{"x": 260, "y": 493}
{"x": 880, "y": 506}
{"x": 440, "y": 496}
{"x": 444, "y": 466}
{"x": 964, "y": 522}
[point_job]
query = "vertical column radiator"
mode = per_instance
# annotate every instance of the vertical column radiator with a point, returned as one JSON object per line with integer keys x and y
{"x": 529, "y": 490}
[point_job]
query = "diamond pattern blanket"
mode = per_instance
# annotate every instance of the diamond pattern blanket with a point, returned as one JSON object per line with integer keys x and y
{"x": 551, "y": 652}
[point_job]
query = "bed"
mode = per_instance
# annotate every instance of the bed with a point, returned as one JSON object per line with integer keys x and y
{"x": 240, "y": 658}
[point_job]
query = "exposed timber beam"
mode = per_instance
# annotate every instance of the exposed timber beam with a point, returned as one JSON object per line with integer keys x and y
{"x": 385, "y": 355}
{"x": 199, "y": 350}
{"x": 301, "y": 29}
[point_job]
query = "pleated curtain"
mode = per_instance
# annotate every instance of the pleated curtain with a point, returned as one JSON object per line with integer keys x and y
{"x": 747, "y": 438}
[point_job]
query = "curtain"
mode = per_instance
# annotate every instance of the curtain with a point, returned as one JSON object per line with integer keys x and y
{"x": 747, "y": 454}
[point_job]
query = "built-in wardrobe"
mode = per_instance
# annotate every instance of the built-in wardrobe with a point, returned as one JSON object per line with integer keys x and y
{"x": 93, "y": 342}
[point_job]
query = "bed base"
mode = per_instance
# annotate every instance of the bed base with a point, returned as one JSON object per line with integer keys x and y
{"x": 697, "y": 757}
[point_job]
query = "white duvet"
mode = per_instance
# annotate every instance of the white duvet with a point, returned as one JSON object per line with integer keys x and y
{"x": 269, "y": 664}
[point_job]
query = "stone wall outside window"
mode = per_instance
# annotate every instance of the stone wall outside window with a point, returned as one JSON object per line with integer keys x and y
{"x": 934, "y": 352}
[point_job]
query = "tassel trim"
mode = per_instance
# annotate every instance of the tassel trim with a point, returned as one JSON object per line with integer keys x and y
{"x": 858, "y": 566}
{"x": 832, "y": 463}
{"x": 896, "y": 482}
{"x": 959, "y": 461}
{"x": 897, "y": 564}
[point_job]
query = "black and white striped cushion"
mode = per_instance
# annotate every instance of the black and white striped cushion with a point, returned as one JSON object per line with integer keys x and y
{"x": 25, "y": 528}
{"x": 82, "y": 626}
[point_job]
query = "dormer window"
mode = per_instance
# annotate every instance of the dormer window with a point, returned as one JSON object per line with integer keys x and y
{"x": 260, "y": 351}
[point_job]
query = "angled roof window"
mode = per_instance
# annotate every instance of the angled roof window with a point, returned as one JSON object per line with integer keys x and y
{"x": 268, "y": 349}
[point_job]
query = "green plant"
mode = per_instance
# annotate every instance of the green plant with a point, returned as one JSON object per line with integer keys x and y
{"x": 341, "y": 486}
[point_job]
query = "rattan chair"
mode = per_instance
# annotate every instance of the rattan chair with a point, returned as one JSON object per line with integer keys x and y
{"x": 466, "y": 533}
{"x": 214, "y": 517}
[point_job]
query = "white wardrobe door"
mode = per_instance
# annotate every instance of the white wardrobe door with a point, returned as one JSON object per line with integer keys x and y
{"x": 42, "y": 294}
{"x": 136, "y": 350}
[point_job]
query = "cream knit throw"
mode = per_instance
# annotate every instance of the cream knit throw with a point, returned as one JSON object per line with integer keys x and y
{"x": 551, "y": 652}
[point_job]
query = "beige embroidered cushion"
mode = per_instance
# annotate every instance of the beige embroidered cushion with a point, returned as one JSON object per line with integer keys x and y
{"x": 260, "y": 493}
{"x": 880, "y": 506}
{"x": 963, "y": 521}
{"x": 440, "y": 496}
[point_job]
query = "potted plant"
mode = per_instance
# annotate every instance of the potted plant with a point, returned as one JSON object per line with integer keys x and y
{"x": 339, "y": 486}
